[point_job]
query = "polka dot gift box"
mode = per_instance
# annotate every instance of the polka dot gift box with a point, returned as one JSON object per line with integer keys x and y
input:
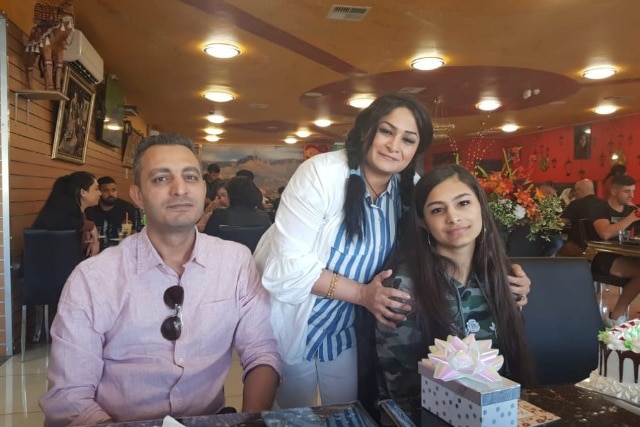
{"x": 461, "y": 384}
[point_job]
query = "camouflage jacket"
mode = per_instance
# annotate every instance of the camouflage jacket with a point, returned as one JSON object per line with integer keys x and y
{"x": 399, "y": 350}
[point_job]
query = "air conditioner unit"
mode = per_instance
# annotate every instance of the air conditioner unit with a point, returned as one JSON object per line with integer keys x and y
{"x": 82, "y": 57}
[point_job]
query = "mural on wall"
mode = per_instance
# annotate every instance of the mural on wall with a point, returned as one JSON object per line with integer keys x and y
{"x": 271, "y": 165}
{"x": 311, "y": 150}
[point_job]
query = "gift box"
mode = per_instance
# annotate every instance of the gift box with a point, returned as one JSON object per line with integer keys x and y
{"x": 469, "y": 403}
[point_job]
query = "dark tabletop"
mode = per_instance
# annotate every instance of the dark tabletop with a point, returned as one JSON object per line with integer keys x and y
{"x": 574, "y": 405}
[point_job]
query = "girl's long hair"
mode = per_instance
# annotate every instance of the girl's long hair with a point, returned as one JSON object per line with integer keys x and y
{"x": 357, "y": 145}
{"x": 430, "y": 271}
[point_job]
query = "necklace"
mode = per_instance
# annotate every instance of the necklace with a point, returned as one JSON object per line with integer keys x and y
{"x": 376, "y": 193}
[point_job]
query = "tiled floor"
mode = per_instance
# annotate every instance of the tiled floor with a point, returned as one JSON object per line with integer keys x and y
{"x": 22, "y": 384}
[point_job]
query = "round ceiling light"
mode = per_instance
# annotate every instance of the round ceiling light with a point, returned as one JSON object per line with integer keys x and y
{"x": 212, "y": 138}
{"x": 427, "y": 63}
{"x": 303, "y": 133}
{"x": 509, "y": 127}
{"x": 360, "y": 101}
{"x": 322, "y": 123}
{"x": 219, "y": 96}
{"x": 597, "y": 73}
{"x": 214, "y": 131}
{"x": 290, "y": 140}
{"x": 216, "y": 118}
{"x": 221, "y": 50}
{"x": 606, "y": 109}
{"x": 488, "y": 105}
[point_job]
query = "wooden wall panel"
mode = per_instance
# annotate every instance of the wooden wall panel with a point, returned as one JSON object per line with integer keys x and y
{"x": 31, "y": 169}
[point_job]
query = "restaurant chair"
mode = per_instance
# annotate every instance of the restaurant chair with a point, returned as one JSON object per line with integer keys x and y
{"x": 48, "y": 260}
{"x": 600, "y": 280}
{"x": 561, "y": 319}
{"x": 248, "y": 235}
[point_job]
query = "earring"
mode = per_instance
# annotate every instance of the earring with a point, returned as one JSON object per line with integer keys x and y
{"x": 431, "y": 245}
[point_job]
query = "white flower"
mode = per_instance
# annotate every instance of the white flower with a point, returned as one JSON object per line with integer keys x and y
{"x": 473, "y": 326}
{"x": 519, "y": 212}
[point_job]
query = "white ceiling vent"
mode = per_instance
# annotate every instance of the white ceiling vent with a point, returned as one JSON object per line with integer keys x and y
{"x": 411, "y": 90}
{"x": 342, "y": 12}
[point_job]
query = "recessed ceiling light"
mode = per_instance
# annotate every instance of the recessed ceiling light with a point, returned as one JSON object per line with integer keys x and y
{"x": 488, "y": 105}
{"x": 427, "y": 63}
{"x": 509, "y": 127}
{"x": 290, "y": 140}
{"x": 606, "y": 109}
{"x": 597, "y": 73}
{"x": 212, "y": 138}
{"x": 221, "y": 50}
{"x": 322, "y": 123}
{"x": 216, "y": 118}
{"x": 219, "y": 96}
{"x": 360, "y": 101}
{"x": 303, "y": 133}
{"x": 214, "y": 131}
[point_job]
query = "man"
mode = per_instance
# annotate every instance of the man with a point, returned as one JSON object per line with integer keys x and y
{"x": 585, "y": 199}
{"x": 110, "y": 211}
{"x": 609, "y": 218}
{"x": 146, "y": 328}
{"x": 212, "y": 177}
{"x": 548, "y": 189}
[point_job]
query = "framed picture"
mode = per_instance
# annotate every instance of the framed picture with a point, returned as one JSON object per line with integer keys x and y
{"x": 74, "y": 119}
{"x": 582, "y": 142}
{"x": 130, "y": 148}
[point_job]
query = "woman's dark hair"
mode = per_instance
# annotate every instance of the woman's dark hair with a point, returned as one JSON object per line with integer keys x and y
{"x": 359, "y": 141}
{"x": 243, "y": 192}
{"x": 615, "y": 170}
{"x": 66, "y": 193}
{"x": 430, "y": 271}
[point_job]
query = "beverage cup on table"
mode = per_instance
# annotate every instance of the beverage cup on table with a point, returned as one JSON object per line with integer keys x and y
{"x": 623, "y": 235}
{"x": 127, "y": 228}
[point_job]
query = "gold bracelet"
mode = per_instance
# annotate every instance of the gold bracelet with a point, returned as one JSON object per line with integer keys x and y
{"x": 332, "y": 285}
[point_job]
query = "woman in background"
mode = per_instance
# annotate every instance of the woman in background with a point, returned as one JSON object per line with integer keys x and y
{"x": 452, "y": 260}
{"x": 220, "y": 201}
{"x": 64, "y": 208}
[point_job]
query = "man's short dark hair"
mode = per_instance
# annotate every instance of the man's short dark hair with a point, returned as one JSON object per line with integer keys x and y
{"x": 161, "y": 139}
{"x": 213, "y": 168}
{"x": 622, "y": 181}
{"x": 247, "y": 173}
{"x": 105, "y": 180}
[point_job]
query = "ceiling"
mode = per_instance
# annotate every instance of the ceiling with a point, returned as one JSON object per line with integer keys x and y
{"x": 529, "y": 54}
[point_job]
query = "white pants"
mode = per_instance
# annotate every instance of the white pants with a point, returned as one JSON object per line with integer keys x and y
{"x": 336, "y": 380}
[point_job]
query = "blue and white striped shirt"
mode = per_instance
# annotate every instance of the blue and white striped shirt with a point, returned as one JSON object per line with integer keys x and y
{"x": 330, "y": 328}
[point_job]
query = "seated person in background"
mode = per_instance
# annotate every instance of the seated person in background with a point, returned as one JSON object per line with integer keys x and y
{"x": 548, "y": 189}
{"x": 110, "y": 211}
{"x": 244, "y": 198}
{"x": 609, "y": 218}
{"x": 146, "y": 329}
{"x": 65, "y": 208}
{"x": 585, "y": 199}
{"x": 220, "y": 201}
{"x": 212, "y": 178}
{"x": 452, "y": 260}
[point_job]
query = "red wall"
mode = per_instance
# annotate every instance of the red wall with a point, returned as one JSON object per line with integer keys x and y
{"x": 607, "y": 136}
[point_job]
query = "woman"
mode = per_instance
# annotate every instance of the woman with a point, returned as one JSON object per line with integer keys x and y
{"x": 453, "y": 262}
{"x": 244, "y": 197}
{"x": 220, "y": 201}
{"x": 334, "y": 229}
{"x": 64, "y": 208}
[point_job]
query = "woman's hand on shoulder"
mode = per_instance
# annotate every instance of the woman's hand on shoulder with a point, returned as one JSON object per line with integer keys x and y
{"x": 385, "y": 303}
{"x": 520, "y": 284}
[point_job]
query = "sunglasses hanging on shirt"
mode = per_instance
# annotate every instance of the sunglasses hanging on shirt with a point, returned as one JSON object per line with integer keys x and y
{"x": 171, "y": 328}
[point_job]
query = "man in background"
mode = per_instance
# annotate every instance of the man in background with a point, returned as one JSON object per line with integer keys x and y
{"x": 110, "y": 212}
{"x": 211, "y": 178}
{"x": 585, "y": 199}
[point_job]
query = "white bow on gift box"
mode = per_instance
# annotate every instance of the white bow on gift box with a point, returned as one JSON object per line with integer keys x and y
{"x": 458, "y": 358}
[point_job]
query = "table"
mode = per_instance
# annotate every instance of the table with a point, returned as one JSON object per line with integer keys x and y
{"x": 630, "y": 248}
{"x": 575, "y": 406}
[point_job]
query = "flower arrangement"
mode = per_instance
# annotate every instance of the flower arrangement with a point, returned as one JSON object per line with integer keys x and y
{"x": 515, "y": 200}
